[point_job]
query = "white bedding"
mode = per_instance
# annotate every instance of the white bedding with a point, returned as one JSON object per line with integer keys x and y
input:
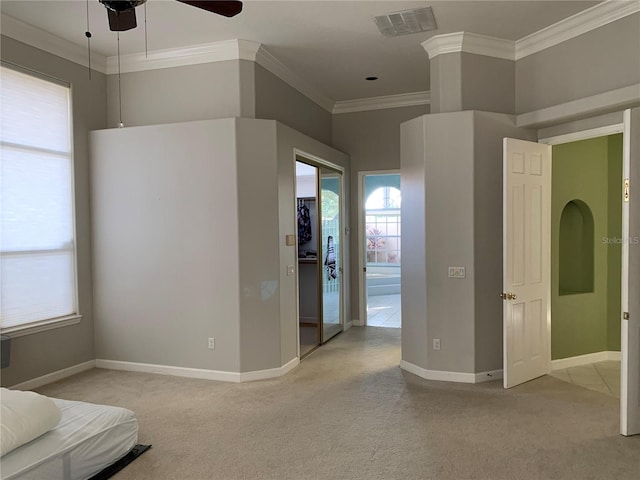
{"x": 88, "y": 438}
{"x": 25, "y": 416}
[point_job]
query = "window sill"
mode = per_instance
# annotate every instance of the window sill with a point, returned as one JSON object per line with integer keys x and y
{"x": 36, "y": 327}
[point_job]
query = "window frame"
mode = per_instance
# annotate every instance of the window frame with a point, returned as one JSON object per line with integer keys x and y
{"x": 74, "y": 318}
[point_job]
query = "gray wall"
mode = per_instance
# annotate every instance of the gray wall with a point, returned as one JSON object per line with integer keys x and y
{"x": 187, "y": 218}
{"x": 466, "y": 81}
{"x": 452, "y": 216}
{"x": 449, "y": 239}
{"x": 258, "y": 236}
{"x": 276, "y": 100}
{"x": 41, "y": 353}
{"x": 166, "y": 244}
{"x": 445, "y": 82}
{"x": 488, "y": 84}
{"x": 595, "y": 62}
{"x": 372, "y": 139}
{"x": 414, "y": 273}
{"x": 182, "y": 94}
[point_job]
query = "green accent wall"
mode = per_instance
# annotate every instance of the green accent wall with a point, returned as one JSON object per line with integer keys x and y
{"x": 589, "y": 174}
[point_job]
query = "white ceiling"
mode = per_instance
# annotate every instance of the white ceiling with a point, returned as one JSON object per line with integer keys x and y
{"x": 332, "y": 45}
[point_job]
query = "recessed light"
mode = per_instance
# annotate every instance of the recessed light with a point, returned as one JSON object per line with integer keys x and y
{"x": 371, "y": 79}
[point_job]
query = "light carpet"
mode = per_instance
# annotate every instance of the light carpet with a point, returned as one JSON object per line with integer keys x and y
{"x": 349, "y": 412}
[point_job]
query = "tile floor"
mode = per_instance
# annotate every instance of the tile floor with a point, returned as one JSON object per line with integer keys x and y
{"x": 602, "y": 377}
{"x": 384, "y": 311}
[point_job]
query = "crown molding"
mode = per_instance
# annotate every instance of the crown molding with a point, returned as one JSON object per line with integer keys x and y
{"x": 582, "y": 22}
{"x": 468, "y": 42}
{"x": 383, "y": 102}
{"x": 25, "y": 33}
{"x": 280, "y": 70}
{"x": 235, "y": 49}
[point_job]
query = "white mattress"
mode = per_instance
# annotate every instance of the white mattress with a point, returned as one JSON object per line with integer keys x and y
{"x": 88, "y": 438}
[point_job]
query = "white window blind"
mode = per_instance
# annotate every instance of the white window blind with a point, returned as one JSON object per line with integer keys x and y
{"x": 37, "y": 244}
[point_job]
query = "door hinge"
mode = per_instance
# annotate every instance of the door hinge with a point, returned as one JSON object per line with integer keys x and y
{"x": 625, "y": 315}
{"x": 626, "y": 190}
{"x": 364, "y": 269}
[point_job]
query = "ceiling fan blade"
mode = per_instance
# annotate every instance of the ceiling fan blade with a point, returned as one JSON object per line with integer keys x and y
{"x": 228, "y": 8}
{"x": 122, "y": 21}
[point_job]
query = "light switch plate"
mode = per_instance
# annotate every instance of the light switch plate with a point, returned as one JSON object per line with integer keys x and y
{"x": 291, "y": 270}
{"x": 457, "y": 272}
{"x": 290, "y": 240}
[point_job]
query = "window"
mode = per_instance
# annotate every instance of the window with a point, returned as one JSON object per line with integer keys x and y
{"x": 383, "y": 226}
{"x": 37, "y": 237}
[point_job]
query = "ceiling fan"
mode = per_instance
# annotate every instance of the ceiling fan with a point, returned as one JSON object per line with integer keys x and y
{"x": 122, "y": 13}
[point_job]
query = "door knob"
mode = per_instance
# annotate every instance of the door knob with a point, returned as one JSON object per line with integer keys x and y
{"x": 508, "y": 296}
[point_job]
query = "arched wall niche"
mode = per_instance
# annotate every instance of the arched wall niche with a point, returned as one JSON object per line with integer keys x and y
{"x": 576, "y": 253}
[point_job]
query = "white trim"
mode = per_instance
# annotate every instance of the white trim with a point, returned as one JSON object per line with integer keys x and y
{"x": 55, "y": 376}
{"x": 269, "y": 373}
{"x": 561, "y": 31}
{"x": 219, "y": 375}
{"x": 235, "y": 49}
{"x": 48, "y": 42}
{"x": 470, "y": 43}
{"x": 624, "y": 293}
{"x": 583, "y": 134}
{"x": 438, "y": 375}
{"x": 383, "y": 102}
{"x": 41, "y": 326}
{"x": 587, "y": 359}
{"x": 358, "y": 323}
{"x": 582, "y": 108}
{"x": 348, "y": 325}
{"x": 284, "y": 73}
{"x": 575, "y": 25}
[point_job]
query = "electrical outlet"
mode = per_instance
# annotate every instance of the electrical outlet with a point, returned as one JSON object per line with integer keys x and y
{"x": 212, "y": 343}
{"x": 457, "y": 272}
{"x": 436, "y": 344}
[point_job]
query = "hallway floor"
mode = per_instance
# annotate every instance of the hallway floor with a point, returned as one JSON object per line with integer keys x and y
{"x": 384, "y": 311}
{"x": 603, "y": 377}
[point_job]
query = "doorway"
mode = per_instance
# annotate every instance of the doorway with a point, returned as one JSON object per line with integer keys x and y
{"x": 381, "y": 246}
{"x": 586, "y": 262}
{"x": 319, "y": 254}
{"x": 520, "y": 339}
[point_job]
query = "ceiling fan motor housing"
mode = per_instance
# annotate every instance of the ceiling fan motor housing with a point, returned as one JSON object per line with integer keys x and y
{"x": 121, "y": 5}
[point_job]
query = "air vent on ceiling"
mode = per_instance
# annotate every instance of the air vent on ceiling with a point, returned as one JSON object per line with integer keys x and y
{"x": 406, "y": 22}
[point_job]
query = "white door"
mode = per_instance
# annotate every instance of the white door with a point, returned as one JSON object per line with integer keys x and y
{"x": 630, "y": 360}
{"x": 527, "y": 259}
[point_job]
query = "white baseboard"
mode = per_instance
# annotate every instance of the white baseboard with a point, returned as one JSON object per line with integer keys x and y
{"x": 357, "y": 323}
{"x": 269, "y": 373}
{"x": 587, "y": 359}
{"x": 444, "y": 376}
{"x": 348, "y": 325}
{"x": 220, "y": 375}
{"x": 55, "y": 376}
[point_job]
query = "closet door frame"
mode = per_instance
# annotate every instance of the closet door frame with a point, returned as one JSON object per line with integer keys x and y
{"x": 315, "y": 161}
